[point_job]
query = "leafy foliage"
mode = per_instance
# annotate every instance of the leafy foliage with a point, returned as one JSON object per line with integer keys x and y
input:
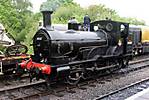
{"x": 96, "y": 12}
{"x": 63, "y": 13}
{"x": 22, "y": 5}
{"x": 132, "y": 21}
{"x": 99, "y": 12}
{"x": 54, "y": 4}
{"x": 18, "y": 19}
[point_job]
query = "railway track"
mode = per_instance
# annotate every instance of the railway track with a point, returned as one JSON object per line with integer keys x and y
{"x": 20, "y": 90}
{"x": 134, "y": 65}
{"x": 126, "y": 91}
{"x": 59, "y": 89}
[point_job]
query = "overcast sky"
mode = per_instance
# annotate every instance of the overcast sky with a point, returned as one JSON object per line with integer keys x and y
{"x": 125, "y": 8}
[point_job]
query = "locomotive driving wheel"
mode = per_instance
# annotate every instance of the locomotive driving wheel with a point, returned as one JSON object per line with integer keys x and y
{"x": 123, "y": 63}
{"x": 74, "y": 78}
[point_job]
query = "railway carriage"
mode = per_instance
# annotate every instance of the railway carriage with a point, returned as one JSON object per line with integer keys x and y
{"x": 139, "y": 38}
{"x": 10, "y": 52}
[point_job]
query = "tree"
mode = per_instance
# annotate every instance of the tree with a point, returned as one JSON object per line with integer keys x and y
{"x": 22, "y": 5}
{"x": 54, "y": 4}
{"x": 30, "y": 30}
{"x": 64, "y": 12}
{"x": 6, "y": 9}
{"x": 129, "y": 20}
{"x": 96, "y": 12}
{"x": 100, "y": 12}
{"x": 16, "y": 16}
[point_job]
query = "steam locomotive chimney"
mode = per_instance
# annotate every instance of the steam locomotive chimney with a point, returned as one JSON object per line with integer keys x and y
{"x": 47, "y": 19}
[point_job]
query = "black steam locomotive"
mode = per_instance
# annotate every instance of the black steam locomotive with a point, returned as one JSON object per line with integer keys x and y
{"x": 72, "y": 55}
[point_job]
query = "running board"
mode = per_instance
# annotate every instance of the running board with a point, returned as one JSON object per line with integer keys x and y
{"x": 101, "y": 68}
